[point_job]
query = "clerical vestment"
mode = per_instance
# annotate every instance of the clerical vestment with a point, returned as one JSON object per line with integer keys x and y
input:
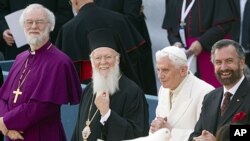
{"x": 50, "y": 80}
{"x": 128, "y": 118}
{"x": 208, "y": 21}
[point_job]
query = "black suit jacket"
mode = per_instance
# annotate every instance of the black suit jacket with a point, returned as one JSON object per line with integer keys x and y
{"x": 210, "y": 119}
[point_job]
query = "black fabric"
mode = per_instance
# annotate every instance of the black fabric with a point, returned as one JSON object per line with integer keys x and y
{"x": 61, "y": 9}
{"x": 73, "y": 41}
{"x": 133, "y": 11}
{"x": 209, "y": 20}
{"x": 128, "y": 118}
{"x": 105, "y": 37}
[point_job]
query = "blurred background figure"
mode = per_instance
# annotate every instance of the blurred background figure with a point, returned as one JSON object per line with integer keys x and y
{"x": 196, "y": 26}
{"x": 61, "y": 9}
{"x": 241, "y": 27}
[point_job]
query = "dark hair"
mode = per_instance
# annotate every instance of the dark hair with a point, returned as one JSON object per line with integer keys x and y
{"x": 223, "y": 134}
{"x": 225, "y": 43}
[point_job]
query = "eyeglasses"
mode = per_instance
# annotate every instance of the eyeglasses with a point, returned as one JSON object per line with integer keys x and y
{"x": 29, "y": 23}
{"x": 107, "y": 58}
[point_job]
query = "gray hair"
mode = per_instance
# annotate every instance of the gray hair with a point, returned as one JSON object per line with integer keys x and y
{"x": 177, "y": 61}
{"x": 50, "y": 16}
{"x": 225, "y": 43}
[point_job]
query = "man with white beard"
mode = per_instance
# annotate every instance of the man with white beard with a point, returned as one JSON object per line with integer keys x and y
{"x": 39, "y": 82}
{"x": 112, "y": 106}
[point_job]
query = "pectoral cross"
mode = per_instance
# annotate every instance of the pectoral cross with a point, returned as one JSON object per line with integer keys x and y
{"x": 86, "y": 131}
{"x": 16, "y": 93}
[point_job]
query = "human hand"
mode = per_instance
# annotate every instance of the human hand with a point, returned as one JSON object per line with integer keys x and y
{"x": 102, "y": 102}
{"x": 15, "y": 135}
{"x": 205, "y": 136}
{"x": 3, "y": 128}
{"x": 195, "y": 48}
{"x": 158, "y": 123}
{"x": 178, "y": 44}
{"x": 8, "y": 38}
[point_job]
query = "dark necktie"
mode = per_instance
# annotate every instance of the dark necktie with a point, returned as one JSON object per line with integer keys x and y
{"x": 225, "y": 103}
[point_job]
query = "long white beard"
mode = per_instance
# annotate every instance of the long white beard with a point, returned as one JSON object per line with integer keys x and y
{"x": 109, "y": 84}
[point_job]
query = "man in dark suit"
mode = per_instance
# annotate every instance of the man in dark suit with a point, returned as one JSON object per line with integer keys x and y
{"x": 228, "y": 59}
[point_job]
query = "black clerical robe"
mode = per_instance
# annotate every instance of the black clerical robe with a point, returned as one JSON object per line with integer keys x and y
{"x": 72, "y": 38}
{"x": 209, "y": 20}
{"x": 133, "y": 11}
{"x": 128, "y": 118}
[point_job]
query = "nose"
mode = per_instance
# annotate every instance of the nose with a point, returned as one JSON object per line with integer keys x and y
{"x": 223, "y": 66}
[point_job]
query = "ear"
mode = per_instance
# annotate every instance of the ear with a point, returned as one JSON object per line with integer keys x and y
{"x": 183, "y": 70}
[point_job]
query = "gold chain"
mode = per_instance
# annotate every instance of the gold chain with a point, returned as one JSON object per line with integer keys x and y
{"x": 20, "y": 83}
{"x": 88, "y": 122}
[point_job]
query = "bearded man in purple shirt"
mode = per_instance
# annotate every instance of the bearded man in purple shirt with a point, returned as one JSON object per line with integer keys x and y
{"x": 39, "y": 82}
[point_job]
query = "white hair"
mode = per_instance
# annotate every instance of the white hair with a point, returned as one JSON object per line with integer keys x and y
{"x": 176, "y": 61}
{"x": 49, "y": 15}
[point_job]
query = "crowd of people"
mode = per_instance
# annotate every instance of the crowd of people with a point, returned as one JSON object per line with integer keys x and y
{"x": 105, "y": 44}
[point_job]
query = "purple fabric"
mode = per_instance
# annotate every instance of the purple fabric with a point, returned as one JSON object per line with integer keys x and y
{"x": 52, "y": 81}
{"x": 204, "y": 65}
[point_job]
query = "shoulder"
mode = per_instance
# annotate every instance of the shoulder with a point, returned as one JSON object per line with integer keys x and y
{"x": 129, "y": 87}
{"x": 57, "y": 56}
{"x": 202, "y": 85}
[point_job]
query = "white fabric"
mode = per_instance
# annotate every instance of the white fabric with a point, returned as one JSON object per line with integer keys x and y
{"x": 105, "y": 117}
{"x": 160, "y": 135}
{"x": 186, "y": 110}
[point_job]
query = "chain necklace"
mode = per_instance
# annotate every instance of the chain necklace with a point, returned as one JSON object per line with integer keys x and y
{"x": 86, "y": 131}
{"x": 21, "y": 81}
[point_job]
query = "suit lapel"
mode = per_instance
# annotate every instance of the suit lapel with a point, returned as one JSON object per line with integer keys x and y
{"x": 215, "y": 108}
{"x": 183, "y": 101}
{"x": 235, "y": 103}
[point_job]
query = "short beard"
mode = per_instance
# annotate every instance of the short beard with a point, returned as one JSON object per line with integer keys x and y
{"x": 37, "y": 40}
{"x": 109, "y": 84}
{"x": 236, "y": 75}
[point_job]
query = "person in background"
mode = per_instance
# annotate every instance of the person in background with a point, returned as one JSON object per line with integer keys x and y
{"x": 41, "y": 79}
{"x": 61, "y": 9}
{"x": 196, "y": 25}
{"x": 180, "y": 95}
{"x": 72, "y": 39}
{"x": 112, "y": 107}
{"x": 133, "y": 11}
{"x": 241, "y": 27}
{"x": 224, "y": 105}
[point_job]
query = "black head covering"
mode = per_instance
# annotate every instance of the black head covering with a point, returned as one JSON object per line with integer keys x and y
{"x": 105, "y": 37}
